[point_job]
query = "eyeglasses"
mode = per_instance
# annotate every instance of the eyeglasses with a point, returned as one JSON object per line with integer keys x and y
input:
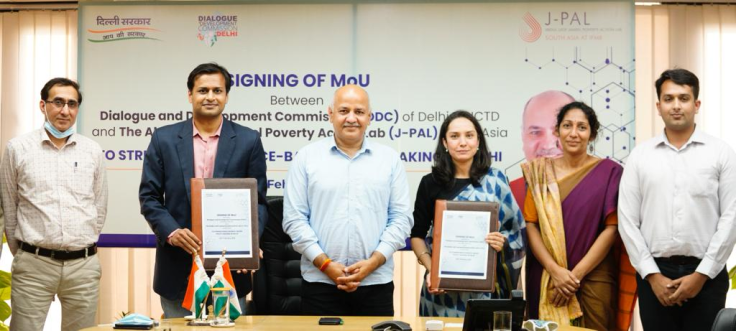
{"x": 58, "y": 103}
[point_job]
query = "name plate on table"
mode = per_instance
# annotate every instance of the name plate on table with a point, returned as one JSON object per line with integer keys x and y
{"x": 461, "y": 258}
{"x": 225, "y": 217}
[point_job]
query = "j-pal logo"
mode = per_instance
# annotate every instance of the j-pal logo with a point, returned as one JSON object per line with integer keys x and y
{"x": 567, "y": 19}
{"x": 530, "y": 31}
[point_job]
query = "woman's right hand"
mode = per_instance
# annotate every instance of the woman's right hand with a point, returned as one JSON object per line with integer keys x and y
{"x": 564, "y": 281}
{"x": 558, "y": 299}
{"x": 429, "y": 289}
{"x": 496, "y": 240}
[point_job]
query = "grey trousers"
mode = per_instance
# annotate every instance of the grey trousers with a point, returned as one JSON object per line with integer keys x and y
{"x": 36, "y": 279}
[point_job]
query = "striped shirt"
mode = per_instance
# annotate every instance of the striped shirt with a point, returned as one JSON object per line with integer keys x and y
{"x": 54, "y": 198}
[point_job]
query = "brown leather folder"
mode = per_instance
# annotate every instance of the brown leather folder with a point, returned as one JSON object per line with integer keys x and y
{"x": 456, "y": 284}
{"x": 197, "y": 185}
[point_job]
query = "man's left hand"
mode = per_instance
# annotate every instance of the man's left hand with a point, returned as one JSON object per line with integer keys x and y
{"x": 361, "y": 269}
{"x": 687, "y": 287}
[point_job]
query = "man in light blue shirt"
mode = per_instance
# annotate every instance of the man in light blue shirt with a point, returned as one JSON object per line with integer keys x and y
{"x": 346, "y": 207}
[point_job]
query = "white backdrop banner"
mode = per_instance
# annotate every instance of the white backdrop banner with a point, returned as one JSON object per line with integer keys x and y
{"x": 418, "y": 61}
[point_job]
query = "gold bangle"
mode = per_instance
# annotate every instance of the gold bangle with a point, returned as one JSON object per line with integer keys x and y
{"x": 419, "y": 260}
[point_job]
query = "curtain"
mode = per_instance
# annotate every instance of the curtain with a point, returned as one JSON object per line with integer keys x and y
{"x": 701, "y": 39}
{"x": 36, "y": 46}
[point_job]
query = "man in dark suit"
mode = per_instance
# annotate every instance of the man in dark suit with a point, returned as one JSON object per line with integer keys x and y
{"x": 207, "y": 146}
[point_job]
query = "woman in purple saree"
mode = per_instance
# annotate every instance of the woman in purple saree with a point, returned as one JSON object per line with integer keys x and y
{"x": 570, "y": 209}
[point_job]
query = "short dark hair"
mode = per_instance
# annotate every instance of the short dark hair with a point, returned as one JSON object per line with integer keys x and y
{"x": 589, "y": 114}
{"x": 207, "y": 69}
{"x": 680, "y": 77}
{"x": 443, "y": 169}
{"x": 60, "y": 81}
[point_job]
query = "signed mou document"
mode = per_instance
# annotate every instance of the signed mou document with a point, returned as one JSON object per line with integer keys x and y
{"x": 226, "y": 223}
{"x": 461, "y": 258}
{"x": 463, "y": 246}
{"x": 225, "y": 218}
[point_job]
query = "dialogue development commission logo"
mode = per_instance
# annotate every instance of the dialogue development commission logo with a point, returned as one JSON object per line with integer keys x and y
{"x": 213, "y": 27}
{"x": 530, "y": 31}
{"x": 119, "y": 29}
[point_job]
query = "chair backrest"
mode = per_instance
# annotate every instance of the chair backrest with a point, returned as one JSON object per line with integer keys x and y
{"x": 725, "y": 320}
{"x": 278, "y": 285}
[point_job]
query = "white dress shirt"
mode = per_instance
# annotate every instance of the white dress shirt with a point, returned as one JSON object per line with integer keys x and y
{"x": 679, "y": 202}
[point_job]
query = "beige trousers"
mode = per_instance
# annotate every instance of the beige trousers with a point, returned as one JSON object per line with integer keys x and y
{"x": 36, "y": 279}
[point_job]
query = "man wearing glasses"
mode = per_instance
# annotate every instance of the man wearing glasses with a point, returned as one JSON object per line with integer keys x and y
{"x": 54, "y": 192}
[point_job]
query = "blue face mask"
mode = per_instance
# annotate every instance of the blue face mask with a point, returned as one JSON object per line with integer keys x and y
{"x": 53, "y": 130}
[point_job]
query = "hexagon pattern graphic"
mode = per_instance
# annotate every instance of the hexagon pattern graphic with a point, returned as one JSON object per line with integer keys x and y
{"x": 604, "y": 83}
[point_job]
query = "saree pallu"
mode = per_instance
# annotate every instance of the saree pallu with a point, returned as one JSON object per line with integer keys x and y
{"x": 493, "y": 187}
{"x": 588, "y": 200}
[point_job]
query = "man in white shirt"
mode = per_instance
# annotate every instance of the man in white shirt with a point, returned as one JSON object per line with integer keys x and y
{"x": 677, "y": 205}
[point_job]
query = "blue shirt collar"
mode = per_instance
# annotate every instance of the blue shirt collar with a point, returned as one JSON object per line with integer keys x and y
{"x": 364, "y": 148}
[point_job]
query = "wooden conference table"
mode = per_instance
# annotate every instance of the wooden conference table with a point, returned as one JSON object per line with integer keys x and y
{"x": 306, "y": 323}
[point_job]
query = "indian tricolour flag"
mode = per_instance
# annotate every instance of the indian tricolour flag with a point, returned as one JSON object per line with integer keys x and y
{"x": 197, "y": 289}
{"x": 223, "y": 278}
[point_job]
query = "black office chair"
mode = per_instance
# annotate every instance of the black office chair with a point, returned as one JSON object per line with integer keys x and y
{"x": 277, "y": 286}
{"x": 725, "y": 320}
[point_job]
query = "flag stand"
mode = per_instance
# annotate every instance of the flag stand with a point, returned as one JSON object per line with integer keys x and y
{"x": 222, "y": 298}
